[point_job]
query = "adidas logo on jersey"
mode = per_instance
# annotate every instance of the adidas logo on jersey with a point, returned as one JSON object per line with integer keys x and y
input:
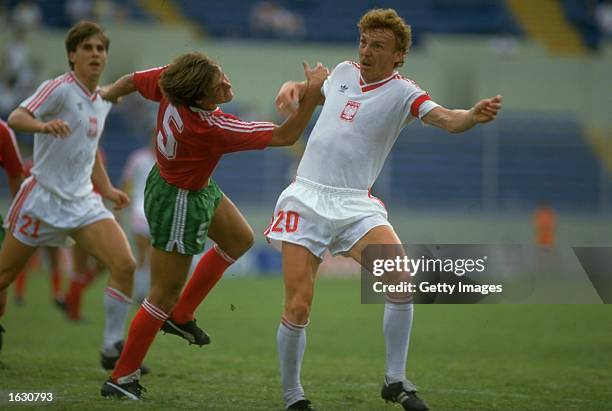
{"x": 343, "y": 88}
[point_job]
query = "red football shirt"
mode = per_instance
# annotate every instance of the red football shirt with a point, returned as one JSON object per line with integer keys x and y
{"x": 191, "y": 141}
{"x": 10, "y": 159}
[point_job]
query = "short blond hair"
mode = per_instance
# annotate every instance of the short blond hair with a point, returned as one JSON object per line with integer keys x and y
{"x": 388, "y": 19}
{"x": 189, "y": 78}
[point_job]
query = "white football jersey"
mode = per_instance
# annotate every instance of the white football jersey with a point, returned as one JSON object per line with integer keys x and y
{"x": 63, "y": 166}
{"x": 358, "y": 125}
{"x": 136, "y": 171}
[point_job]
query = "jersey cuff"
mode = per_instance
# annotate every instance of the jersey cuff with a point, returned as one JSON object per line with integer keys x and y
{"x": 426, "y": 107}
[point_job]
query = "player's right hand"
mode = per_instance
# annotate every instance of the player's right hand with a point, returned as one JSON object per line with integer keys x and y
{"x": 120, "y": 198}
{"x": 59, "y": 128}
{"x": 288, "y": 99}
{"x": 316, "y": 76}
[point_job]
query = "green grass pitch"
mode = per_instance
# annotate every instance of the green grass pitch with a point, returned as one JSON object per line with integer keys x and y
{"x": 473, "y": 357}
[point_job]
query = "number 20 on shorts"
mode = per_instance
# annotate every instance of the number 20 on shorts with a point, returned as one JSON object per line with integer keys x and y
{"x": 291, "y": 220}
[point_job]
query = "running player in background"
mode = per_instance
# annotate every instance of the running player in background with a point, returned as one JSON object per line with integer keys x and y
{"x": 329, "y": 206}
{"x": 134, "y": 180}
{"x": 10, "y": 161}
{"x": 56, "y": 202}
{"x": 183, "y": 205}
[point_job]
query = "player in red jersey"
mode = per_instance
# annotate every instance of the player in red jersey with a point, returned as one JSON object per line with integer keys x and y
{"x": 10, "y": 160}
{"x": 183, "y": 204}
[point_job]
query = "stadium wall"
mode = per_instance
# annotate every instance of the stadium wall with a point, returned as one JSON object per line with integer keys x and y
{"x": 455, "y": 69}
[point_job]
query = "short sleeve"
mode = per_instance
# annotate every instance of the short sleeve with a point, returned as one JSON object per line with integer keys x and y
{"x": 9, "y": 153}
{"x": 233, "y": 134}
{"x": 146, "y": 83}
{"x": 47, "y": 100}
{"x": 419, "y": 102}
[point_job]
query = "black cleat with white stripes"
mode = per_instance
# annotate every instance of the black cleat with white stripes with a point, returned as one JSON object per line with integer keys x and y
{"x": 405, "y": 396}
{"x": 126, "y": 387}
{"x": 189, "y": 331}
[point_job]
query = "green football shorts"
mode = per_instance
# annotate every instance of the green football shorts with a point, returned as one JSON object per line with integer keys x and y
{"x": 178, "y": 218}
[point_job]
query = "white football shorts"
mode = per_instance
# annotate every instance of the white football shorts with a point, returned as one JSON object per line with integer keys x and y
{"x": 38, "y": 217}
{"x": 321, "y": 217}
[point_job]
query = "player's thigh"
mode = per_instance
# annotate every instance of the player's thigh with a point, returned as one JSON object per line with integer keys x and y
{"x": 13, "y": 257}
{"x": 230, "y": 230}
{"x": 106, "y": 241}
{"x": 380, "y": 235}
{"x": 300, "y": 268}
{"x": 80, "y": 259}
{"x": 382, "y": 243}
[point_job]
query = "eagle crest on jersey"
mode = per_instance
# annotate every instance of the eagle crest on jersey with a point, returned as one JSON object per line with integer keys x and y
{"x": 350, "y": 110}
{"x": 92, "y": 131}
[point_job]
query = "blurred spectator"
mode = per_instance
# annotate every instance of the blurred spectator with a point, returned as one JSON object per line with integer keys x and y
{"x": 104, "y": 11}
{"x": 26, "y": 15}
{"x": 18, "y": 76}
{"x": 268, "y": 18}
{"x": 77, "y": 10}
{"x": 545, "y": 224}
{"x": 4, "y": 16}
{"x": 603, "y": 15}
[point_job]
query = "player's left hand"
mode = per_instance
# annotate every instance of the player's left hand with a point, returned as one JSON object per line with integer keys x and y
{"x": 486, "y": 110}
{"x": 118, "y": 197}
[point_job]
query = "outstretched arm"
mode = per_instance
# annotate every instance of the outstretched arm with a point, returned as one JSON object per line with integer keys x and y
{"x": 122, "y": 87}
{"x": 458, "y": 121}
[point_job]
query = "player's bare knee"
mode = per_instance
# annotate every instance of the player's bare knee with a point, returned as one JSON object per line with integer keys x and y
{"x": 240, "y": 243}
{"x": 165, "y": 300}
{"x": 246, "y": 241}
{"x": 124, "y": 268}
{"x": 298, "y": 311}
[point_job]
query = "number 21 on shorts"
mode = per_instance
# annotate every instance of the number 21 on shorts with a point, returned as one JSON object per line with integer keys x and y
{"x": 285, "y": 221}
{"x": 29, "y": 226}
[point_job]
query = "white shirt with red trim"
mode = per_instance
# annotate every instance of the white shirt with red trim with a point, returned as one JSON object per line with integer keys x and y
{"x": 358, "y": 125}
{"x": 63, "y": 166}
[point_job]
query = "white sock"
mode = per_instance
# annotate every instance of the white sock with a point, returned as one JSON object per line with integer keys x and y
{"x": 116, "y": 306}
{"x": 142, "y": 282}
{"x": 397, "y": 323}
{"x": 291, "y": 343}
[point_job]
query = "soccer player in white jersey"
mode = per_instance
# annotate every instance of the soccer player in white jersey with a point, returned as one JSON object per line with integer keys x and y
{"x": 329, "y": 207}
{"x": 67, "y": 116}
{"x": 133, "y": 180}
